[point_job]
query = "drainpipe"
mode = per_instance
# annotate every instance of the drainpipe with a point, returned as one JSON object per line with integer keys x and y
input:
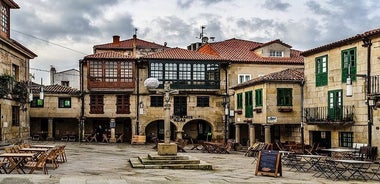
{"x": 137, "y": 97}
{"x": 367, "y": 43}
{"x": 302, "y": 117}
{"x": 226, "y": 110}
{"x": 82, "y": 118}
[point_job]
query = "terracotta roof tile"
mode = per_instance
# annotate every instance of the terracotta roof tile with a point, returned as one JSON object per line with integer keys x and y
{"x": 342, "y": 42}
{"x": 54, "y": 89}
{"x": 108, "y": 55}
{"x": 128, "y": 44}
{"x": 290, "y": 74}
{"x": 238, "y": 50}
{"x": 182, "y": 54}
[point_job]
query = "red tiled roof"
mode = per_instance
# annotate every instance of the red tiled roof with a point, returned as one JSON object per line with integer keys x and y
{"x": 288, "y": 75}
{"x": 54, "y": 89}
{"x": 342, "y": 42}
{"x": 108, "y": 55}
{"x": 128, "y": 44}
{"x": 238, "y": 50}
{"x": 12, "y": 4}
{"x": 276, "y": 41}
{"x": 182, "y": 54}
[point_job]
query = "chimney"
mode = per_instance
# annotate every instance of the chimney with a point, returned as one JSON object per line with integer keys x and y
{"x": 52, "y": 74}
{"x": 116, "y": 39}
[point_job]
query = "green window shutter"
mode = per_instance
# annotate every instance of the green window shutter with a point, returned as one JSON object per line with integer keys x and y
{"x": 67, "y": 103}
{"x": 321, "y": 71}
{"x": 284, "y": 96}
{"x": 239, "y": 100}
{"x": 349, "y": 60}
{"x": 248, "y": 104}
{"x": 40, "y": 102}
{"x": 259, "y": 97}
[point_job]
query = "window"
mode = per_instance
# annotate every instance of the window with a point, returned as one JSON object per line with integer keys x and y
{"x": 122, "y": 104}
{"x": 276, "y": 53}
{"x": 96, "y": 104}
{"x": 64, "y": 102}
{"x": 243, "y": 78}
{"x": 284, "y": 97}
{"x": 156, "y": 101}
{"x": 239, "y": 100}
{"x": 349, "y": 64}
{"x": 321, "y": 71}
{"x": 4, "y": 21}
{"x": 203, "y": 101}
{"x": 15, "y": 72}
{"x": 111, "y": 71}
{"x": 15, "y": 115}
{"x": 248, "y": 104}
{"x": 186, "y": 75}
{"x": 346, "y": 139}
{"x": 65, "y": 83}
{"x": 335, "y": 105}
{"x": 259, "y": 97}
{"x": 37, "y": 103}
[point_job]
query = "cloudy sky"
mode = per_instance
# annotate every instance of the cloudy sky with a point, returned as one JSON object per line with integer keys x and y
{"x": 61, "y": 32}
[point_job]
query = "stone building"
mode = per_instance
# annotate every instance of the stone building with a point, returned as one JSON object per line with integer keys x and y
{"x": 14, "y": 80}
{"x": 54, "y": 114}
{"x": 342, "y": 92}
{"x": 272, "y": 103}
{"x": 249, "y": 60}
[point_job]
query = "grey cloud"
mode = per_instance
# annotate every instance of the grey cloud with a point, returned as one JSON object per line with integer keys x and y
{"x": 276, "y": 5}
{"x": 187, "y": 3}
{"x": 316, "y": 8}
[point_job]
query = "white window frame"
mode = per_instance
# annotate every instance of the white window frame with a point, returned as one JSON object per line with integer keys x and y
{"x": 244, "y": 78}
{"x": 276, "y": 53}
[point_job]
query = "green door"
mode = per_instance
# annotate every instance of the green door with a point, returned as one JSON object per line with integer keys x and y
{"x": 335, "y": 106}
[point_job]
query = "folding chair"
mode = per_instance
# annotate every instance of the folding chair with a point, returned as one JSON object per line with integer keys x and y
{"x": 120, "y": 138}
{"x": 39, "y": 164}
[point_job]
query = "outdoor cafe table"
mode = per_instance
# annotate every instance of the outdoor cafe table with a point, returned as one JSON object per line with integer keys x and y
{"x": 214, "y": 147}
{"x": 312, "y": 160}
{"x": 42, "y": 146}
{"x": 355, "y": 168}
{"x": 16, "y": 160}
{"x": 341, "y": 153}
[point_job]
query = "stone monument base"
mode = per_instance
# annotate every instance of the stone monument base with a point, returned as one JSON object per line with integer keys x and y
{"x": 167, "y": 149}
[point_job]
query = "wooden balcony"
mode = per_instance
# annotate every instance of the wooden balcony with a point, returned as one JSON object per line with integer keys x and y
{"x": 335, "y": 117}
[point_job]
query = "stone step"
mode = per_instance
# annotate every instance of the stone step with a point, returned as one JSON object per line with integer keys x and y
{"x": 155, "y": 156}
{"x": 147, "y": 161}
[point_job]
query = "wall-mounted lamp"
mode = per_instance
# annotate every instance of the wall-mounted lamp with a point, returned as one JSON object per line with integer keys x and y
{"x": 42, "y": 93}
{"x": 349, "y": 87}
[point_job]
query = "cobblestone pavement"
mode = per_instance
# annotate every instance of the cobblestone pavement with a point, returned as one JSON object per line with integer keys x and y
{"x": 101, "y": 163}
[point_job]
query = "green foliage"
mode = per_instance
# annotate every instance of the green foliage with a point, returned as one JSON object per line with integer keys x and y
{"x": 20, "y": 92}
{"x": 5, "y": 85}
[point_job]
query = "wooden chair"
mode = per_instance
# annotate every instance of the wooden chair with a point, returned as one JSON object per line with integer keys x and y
{"x": 61, "y": 153}
{"x": 3, "y": 166}
{"x": 39, "y": 164}
{"x": 52, "y": 157}
{"x": 72, "y": 138}
{"x": 93, "y": 138}
{"x": 120, "y": 138}
{"x": 105, "y": 138}
{"x": 65, "y": 138}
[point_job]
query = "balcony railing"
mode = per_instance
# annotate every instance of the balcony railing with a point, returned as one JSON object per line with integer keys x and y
{"x": 323, "y": 115}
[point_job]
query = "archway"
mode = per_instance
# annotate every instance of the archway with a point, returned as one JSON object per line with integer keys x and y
{"x": 197, "y": 130}
{"x": 156, "y": 129}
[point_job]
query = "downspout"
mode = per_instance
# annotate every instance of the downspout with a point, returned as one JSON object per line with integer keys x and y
{"x": 302, "y": 117}
{"x": 226, "y": 115}
{"x": 137, "y": 97}
{"x": 367, "y": 43}
{"x": 82, "y": 118}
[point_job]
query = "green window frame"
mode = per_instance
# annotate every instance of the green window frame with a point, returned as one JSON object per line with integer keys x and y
{"x": 248, "y": 104}
{"x": 284, "y": 96}
{"x": 64, "y": 102}
{"x": 349, "y": 60}
{"x": 37, "y": 103}
{"x": 259, "y": 97}
{"x": 239, "y": 100}
{"x": 335, "y": 105}
{"x": 346, "y": 139}
{"x": 321, "y": 70}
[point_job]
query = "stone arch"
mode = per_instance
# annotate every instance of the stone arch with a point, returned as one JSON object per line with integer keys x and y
{"x": 198, "y": 129}
{"x": 156, "y": 129}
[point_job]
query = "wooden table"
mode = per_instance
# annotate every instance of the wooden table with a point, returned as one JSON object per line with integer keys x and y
{"x": 42, "y": 146}
{"x": 16, "y": 160}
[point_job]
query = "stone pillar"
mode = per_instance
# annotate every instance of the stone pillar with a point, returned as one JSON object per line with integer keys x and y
{"x": 267, "y": 134}
{"x": 112, "y": 127}
{"x": 179, "y": 134}
{"x": 50, "y": 129}
{"x": 252, "y": 135}
{"x": 134, "y": 127}
{"x": 237, "y": 133}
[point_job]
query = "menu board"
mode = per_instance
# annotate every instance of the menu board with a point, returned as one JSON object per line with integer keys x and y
{"x": 269, "y": 163}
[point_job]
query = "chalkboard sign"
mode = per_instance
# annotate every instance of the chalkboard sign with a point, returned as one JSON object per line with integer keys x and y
{"x": 269, "y": 163}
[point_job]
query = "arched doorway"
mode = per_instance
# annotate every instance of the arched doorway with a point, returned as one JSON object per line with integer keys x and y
{"x": 156, "y": 129}
{"x": 197, "y": 130}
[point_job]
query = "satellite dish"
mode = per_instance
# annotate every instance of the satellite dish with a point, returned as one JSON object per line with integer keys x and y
{"x": 151, "y": 83}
